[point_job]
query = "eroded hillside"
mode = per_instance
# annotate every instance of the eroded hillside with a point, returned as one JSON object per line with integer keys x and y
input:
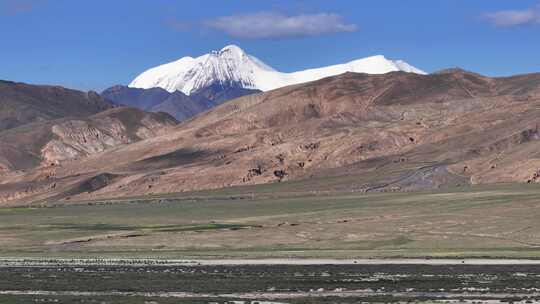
{"x": 391, "y": 132}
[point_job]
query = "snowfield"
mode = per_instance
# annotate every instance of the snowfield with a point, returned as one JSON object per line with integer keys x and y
{"x": 232, "y": 66}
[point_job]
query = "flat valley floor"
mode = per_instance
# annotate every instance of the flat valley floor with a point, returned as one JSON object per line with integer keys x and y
{"x": 283, "y": 220}
{"x": 206, "y": 247}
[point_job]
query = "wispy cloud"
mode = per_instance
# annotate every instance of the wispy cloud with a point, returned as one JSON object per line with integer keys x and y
{"x": 15, "y": 7}
{"x": 509, "y": 18}
{"x": 264, "y": 25}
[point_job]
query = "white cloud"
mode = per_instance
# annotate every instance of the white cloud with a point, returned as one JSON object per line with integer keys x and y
{"x": 275, "y": 25}
{"x": 511, "y": 18}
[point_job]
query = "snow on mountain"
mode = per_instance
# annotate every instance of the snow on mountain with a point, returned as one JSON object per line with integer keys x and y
{"x": 232, "y": 67}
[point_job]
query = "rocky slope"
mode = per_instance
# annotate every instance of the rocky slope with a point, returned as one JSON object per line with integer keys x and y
{"x": 58, "y": 141}
{"x": 40, "y": 149}
{"x": 355, "y": 132}
{"x": 22, "y": 103}
{"x": 143, "y": 99}
{"x": 177, "y": 104}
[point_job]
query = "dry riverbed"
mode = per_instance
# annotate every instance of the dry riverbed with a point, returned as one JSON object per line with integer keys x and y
{"x": 272, "y": 280}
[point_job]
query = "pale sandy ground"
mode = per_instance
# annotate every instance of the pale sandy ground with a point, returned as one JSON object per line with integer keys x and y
{"x": 6, "y": 262}
{"x": 369, "y": 262}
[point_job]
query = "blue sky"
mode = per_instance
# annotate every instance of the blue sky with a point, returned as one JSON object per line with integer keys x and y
{"x": 99, "y": 43}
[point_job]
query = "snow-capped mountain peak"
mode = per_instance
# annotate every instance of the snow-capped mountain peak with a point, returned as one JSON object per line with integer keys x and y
{"x": 228, "y": 66}
{"x": 231, "y": 50}
{"x": 232, "y": 67}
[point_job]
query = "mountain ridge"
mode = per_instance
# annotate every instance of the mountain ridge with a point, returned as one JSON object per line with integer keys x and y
{"x": 355, "y": 132}
{"x": 213, "y": 78}
{"x": 177, "y": 104}
{"x": 234, "y": 67}
{"x": 22, "y": 103}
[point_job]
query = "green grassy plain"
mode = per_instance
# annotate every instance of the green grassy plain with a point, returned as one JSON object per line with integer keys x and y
{"x": 284, "y": 220}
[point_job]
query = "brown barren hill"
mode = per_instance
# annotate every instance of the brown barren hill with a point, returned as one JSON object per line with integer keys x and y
{"x": 391, "y": 132}
{"x": 22, "y": 103}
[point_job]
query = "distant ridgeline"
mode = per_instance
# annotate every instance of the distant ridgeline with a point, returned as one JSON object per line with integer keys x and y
{"x": 188, "y": 86}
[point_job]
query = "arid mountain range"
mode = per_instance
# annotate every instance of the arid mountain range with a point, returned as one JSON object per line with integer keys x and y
{"x": 22, "y": 103}
{"x": 177, "y": 104}
{"x": 355, "y": 132}
{"x": 189, "y": 86}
